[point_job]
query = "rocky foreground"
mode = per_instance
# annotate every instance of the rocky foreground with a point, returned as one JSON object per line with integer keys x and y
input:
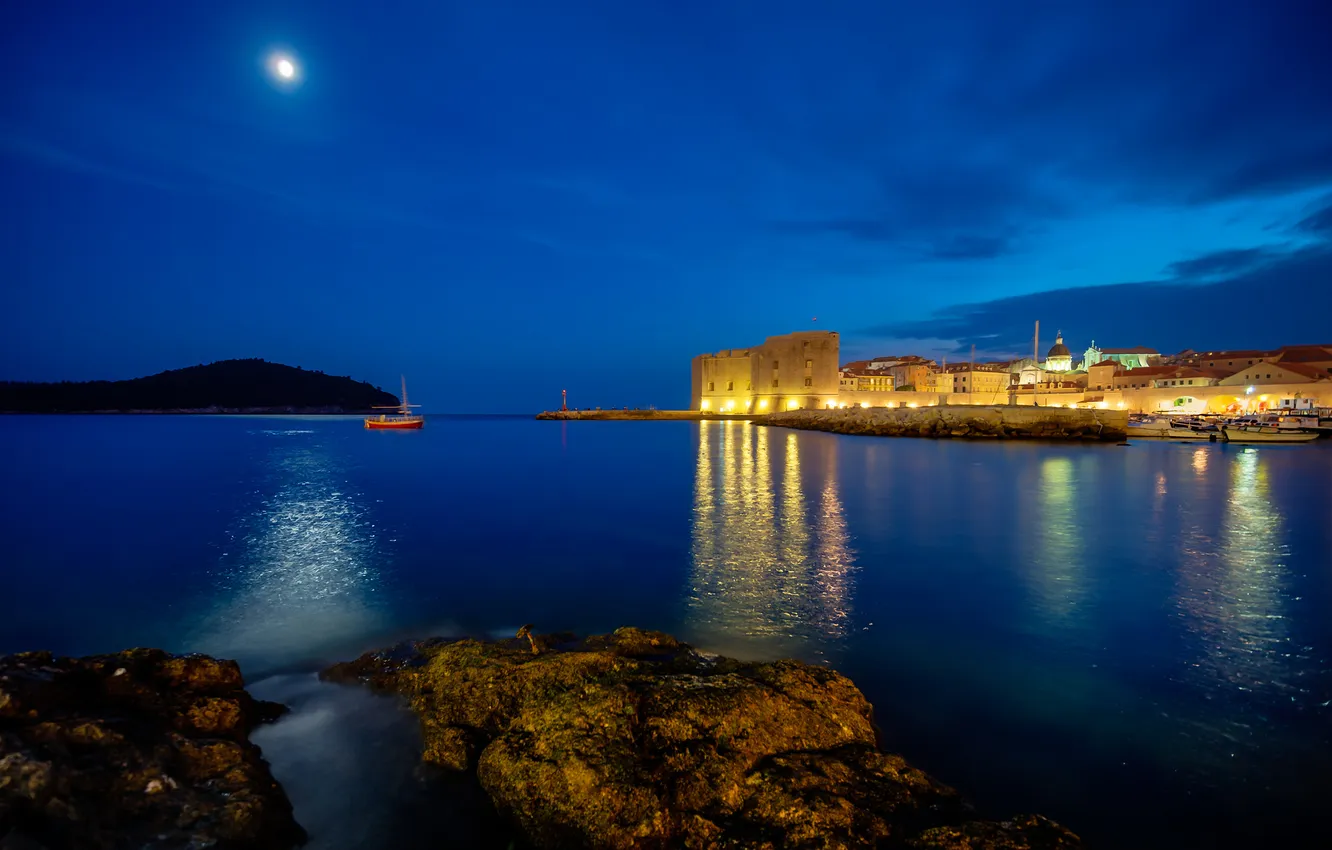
{"x": 963, "y": 421}
{"x": 140, "y": 749}
{"x": 634, "y": 740}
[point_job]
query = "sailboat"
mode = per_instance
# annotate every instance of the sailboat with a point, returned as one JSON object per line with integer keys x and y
{"x": 405, "y": 420}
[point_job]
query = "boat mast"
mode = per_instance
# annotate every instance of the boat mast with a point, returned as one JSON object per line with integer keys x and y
{"x": 406, "y": 408}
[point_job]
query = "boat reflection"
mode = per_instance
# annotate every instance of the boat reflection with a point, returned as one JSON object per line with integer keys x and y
{"x": 1200, "y": 456}
{"x": 772, "y": 568}
{"x": 298, "y": 582}
{"x": 1232, "y": 591}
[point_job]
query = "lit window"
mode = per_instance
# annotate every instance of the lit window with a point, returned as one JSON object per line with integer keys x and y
{"x": 809, "y": 364}
{"x": 809, "y": 382}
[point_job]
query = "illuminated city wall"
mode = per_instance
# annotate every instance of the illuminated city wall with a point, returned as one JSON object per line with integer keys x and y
{"x": 1217, "y": 399}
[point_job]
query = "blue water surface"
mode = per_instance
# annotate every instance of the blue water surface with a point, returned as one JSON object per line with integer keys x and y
{"x": 1136, "y": 641}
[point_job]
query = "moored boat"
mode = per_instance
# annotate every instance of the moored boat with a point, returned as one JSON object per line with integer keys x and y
{"x": 1265, "y": 434}
{"x": 404, "y": 420}
{"x": 1165, "y": 428}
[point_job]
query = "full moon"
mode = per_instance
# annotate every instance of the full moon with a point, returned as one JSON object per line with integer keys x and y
{"x": 283, "y": 68}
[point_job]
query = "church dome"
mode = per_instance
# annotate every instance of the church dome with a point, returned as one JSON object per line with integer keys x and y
{"x": 1058, "y": 349}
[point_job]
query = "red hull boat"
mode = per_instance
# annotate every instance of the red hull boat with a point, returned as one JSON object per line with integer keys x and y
{"x": 394, "y": 423}
{"x": 404, "y": 420}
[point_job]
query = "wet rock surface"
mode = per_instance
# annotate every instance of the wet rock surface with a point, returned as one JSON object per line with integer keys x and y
{"x": 138, "y": 749}
{"x": 636, "y": 740}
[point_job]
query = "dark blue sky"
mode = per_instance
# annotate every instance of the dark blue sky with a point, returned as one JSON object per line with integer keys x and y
{"x": 502, "y": 199}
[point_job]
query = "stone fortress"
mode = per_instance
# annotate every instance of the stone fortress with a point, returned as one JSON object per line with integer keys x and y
{"x": 803, "y": 370}
{"x": 797, "y": 370}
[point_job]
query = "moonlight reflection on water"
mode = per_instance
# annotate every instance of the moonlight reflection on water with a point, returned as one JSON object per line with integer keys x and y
{"x": 303, "y": 576}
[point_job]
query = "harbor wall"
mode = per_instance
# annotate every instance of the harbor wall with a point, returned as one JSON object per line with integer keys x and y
{"x": 963, "y": 421}
{"x": 1188, "y": 400}
{"x": 638, "y": 415}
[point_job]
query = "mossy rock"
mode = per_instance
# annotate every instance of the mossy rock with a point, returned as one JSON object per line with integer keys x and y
{"x": 636, "y": 740}
{"x": 136, "y": 749}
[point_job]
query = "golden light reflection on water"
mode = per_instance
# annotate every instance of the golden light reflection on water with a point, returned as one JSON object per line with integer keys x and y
{"x": 1231, "y": 589}
{"x": 771, "y": 564}
{"x": 299, "y": 579}
{"x": 1058, "y": 569}
{"x": 1200, "y": 456}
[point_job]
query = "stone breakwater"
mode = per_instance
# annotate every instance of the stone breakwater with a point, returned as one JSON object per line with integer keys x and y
{"x": 635, "y": 740}
{"x": 136, "y": 749}
{"x": 638, "y": 415}
{"x": 1043, "y": 423}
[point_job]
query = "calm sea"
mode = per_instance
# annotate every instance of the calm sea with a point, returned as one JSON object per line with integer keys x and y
{"x": 1136, "y": 641}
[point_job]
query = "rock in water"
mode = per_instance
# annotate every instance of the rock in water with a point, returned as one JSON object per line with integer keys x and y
{"x": 635, "y": 740}
{"x": 137, "y": 749}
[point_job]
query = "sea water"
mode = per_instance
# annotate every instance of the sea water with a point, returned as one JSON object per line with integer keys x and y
{"x": 1135, "y": 641}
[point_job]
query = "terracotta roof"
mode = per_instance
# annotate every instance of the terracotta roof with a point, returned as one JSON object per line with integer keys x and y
{"x": 864, "y": 373}
{"x": 1197, "y": 372}
{"x": 1137, "y": 349}
{"x": 1232, "y": 355}
{"x": 1304, "y": 353}
{"x": 1300, "y": 369}
{"x": 1147, "y": 371}
{"x": 1114, "y": 363}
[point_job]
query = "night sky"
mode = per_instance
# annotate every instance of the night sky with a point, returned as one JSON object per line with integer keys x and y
{"x": 502, "y": 199}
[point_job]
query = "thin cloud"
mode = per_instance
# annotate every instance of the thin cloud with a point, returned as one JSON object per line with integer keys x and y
{"x": 52, "y": 156}
{"x": 969, "y": 247}
{"x": 1153, "y": 313}
{"x": 1319, "y": 222}
{"x": 1223, "y": 262}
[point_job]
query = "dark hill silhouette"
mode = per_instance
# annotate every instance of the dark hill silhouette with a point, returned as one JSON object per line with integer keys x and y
{"x": 228, "y": 385}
